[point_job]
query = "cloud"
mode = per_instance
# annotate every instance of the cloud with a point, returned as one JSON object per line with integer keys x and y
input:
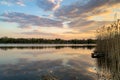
{"x": 70, "y": 32}
{"x": 78, "y": 9}
{"x": 20, "y": 3}
{"x": 40, "y": 34}
{"x": 79, "y": 35}
{"x": 81, "y": 13}
{"x": 25, "y": 20}
{"x": 36, "y": 32}
{"x": 80, "y": 16}
{"x": 80, "y": 23}
{"x": 86, "y": 25}
{"x": 12, "y": 2}
{"x": 49, "y": 5}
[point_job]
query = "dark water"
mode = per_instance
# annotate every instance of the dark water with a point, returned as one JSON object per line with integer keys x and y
{"x": 32, "y": 63}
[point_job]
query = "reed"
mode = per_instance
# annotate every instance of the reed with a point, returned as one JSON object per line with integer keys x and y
{"x": 108, "y": 42}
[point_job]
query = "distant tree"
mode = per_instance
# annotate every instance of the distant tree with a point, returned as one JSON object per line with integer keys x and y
{"x": 45, "y": 41}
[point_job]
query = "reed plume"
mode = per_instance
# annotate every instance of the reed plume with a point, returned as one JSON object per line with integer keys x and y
{"x": 108, "y": 42}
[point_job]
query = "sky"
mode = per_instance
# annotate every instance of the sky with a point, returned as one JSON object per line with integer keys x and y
{"x": 65, "y": 19}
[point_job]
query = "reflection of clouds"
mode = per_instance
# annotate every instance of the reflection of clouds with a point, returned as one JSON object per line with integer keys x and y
{"x": 91, "y": 69}
{"x": 28, "y": 67}
{"x": 73, "y": 51}
{"x": 24, "y": 60}
{"x": 38, "y": 68}
{"x": 65, "y": 63}
{"x": 47, "y": 53}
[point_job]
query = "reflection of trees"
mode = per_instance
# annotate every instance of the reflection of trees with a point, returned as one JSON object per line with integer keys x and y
{"x": 43, "y": 47}
{"x": 84, "y": 47}
{"x": 59, "y": 47}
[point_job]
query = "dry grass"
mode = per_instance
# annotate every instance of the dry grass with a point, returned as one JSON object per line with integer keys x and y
{"x": 108, "y": 42}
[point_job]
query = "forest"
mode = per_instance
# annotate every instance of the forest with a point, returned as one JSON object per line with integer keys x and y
{"x": 7, "y": 40}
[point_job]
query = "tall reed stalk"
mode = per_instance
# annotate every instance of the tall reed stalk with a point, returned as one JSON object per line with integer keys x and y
{"x": 108, "y": 42}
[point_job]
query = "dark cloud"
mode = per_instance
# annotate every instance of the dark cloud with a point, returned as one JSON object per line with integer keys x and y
{"x": 83, "y": 25}
{"x": 80, "y": 23}
{"x": 48, "y": 5}
{"x": 77, "y": 9}
{"x": 25, "y": 20}
{"x": 78, "y": 13}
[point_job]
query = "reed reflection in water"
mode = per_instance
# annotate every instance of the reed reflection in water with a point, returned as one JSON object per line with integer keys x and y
{"x": 32, "y": 63}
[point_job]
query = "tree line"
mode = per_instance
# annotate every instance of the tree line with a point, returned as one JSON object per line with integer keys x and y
{"x": 46, "y": 41}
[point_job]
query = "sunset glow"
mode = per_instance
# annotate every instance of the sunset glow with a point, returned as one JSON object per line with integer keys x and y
{"x": 65, "y": 19}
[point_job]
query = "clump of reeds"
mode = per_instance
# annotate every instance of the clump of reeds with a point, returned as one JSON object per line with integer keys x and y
{"x": 108, "y": 42}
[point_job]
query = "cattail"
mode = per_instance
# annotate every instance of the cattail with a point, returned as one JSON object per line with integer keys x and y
{"x": 108, "y": 42}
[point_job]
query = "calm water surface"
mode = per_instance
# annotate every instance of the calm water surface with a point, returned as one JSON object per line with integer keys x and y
{"x": 31, "y": 63}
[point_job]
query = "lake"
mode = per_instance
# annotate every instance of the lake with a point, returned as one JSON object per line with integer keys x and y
{"x": 33, "y": 62}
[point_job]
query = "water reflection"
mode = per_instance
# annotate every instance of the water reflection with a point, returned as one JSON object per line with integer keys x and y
{"x": 65, "y": 63}
{"x": 46, "y": 46}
